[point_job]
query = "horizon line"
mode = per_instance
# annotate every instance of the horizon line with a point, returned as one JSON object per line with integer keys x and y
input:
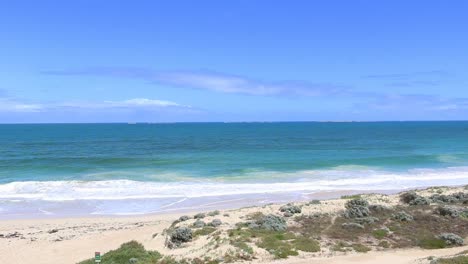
{"x": 227, "y": 122}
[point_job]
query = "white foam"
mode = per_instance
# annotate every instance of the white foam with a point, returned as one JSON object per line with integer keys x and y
{"x": 308, "y": 181}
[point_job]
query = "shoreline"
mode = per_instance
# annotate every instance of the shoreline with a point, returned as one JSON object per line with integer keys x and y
{"x": 73, "y": 239}
{"x": 218, "y": 202}
{"x": 225, "y": 202}
{"x": 77, "y": 198}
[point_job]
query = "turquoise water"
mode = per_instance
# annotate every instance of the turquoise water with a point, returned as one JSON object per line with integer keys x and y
{"x": 73, "y": 162}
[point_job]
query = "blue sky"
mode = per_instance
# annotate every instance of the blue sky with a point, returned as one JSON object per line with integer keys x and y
{"x": 169, "y": 61}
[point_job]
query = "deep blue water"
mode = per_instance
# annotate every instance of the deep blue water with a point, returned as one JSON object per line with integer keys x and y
{"x": 143, "y": 151}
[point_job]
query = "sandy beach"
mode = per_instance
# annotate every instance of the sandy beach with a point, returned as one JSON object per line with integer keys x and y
{"x": 71, "y": 240}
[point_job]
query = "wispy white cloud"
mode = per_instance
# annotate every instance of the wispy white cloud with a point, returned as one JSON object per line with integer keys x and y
{"x": 214, "y": 81}
{"x": 130, "y": 104}
{"x": 242, "y": 85}
{"x": 416, "y": 102}
{"x": 8, "y": 105}
{"x": 407, "y": 76}
{"x": 411, "y": 79}
{"x": 235, "y": 84}
{"x": 143, "y": 102}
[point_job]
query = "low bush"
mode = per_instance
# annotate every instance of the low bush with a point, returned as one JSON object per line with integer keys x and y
{"x": 459, "y": 197}
{"x": 306, "y": 244}
{"x": 361, "y": 248}
{"x": 290, "y": 210}
{"x": 126, "y": 252}
{"x": 184, "y": 218}
{"x": 378, "y": 208}
{"x": 215, "y": 223}
{"x": 199, "y": 216}
{"x": 269, "y": 222}
{"x": 420, "y": 201}
{"x": 408, "y": 197}
{"x": 314, "y": 202}
{"x": 198, "y": 224}
{"x": 204, "y": 231}
{"x": 451, "y": 239}
{"x": 276, "y": 247}
{"x": 179, "y": 236}
{"x": 357, "y": 202}
{"x": 213, "y": 213}
{"x": 380, "y": 233}
{"x": 431, "y": 243}
{"x": 402, "y": 216}
{"x": 352, "y": 196}
{"x": 357, "y": 208}
{"x": 448, "y": 211}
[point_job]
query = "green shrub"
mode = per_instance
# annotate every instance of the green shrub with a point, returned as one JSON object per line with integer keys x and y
{"x": 451, "y": 239}
{"x": 357, "y": 208}
{"x": 380, "y": 233}
{"x": 354, "y": 196}
{"x": 199, "y": 216}
{"x": 408, "y": 197}
{"x": 276, "y": 247}
{"x": 341, "y": 246}
{"x": 357, "y": 202}
{"x": 215, "y": 223}
{"x": 420, "y": 201}
{"x": 213, "y": 213}
{"x": 179, "y": 236}
{"x": 432, "y": 243}
{"x": 314, "y": 202}
{"x": 242, "y": 246}
{"x": 204, "y": 231}
{"x": 290, "y": 209}
{"x": 453, "y": 260}
{"x": 269, "y": 222}
{"x": 306, "y": 244}
{"x": 126, "y": 252}
{"x": 361, "y": 248}
{"x": 384, "y": 244}
{"x": 199, "y": 224}
{"x": 184, "y": 218}
{"x": 402, "y": 216}
{"x": 378, "y": 208}
{"x": 448, "y": 211}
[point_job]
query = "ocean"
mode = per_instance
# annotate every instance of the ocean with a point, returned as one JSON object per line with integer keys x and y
{"x": 120, "y": 169}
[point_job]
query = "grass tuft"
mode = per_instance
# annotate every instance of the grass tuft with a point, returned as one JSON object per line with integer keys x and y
{"x": 432, "y": 243}
{"x": 379, "y": 233}
{"x": 361, "y": 248}
{"x": 353, "y": 196}
{"x": 204, "y": 231}
{"x": 306, "y": 244}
